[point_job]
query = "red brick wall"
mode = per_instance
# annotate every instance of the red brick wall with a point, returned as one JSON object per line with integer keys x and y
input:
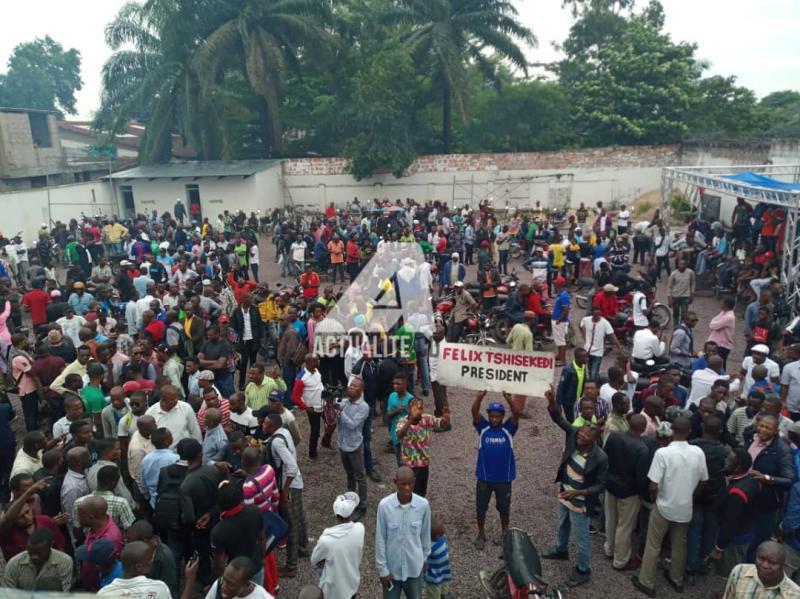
{"x": 625, "y": 156}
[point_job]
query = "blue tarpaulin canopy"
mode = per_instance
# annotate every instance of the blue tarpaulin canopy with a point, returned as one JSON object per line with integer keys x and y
{"x": 751, "y": 178}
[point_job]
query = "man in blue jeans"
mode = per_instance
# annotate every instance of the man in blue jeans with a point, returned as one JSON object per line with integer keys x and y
{"x": 583, "y": 473}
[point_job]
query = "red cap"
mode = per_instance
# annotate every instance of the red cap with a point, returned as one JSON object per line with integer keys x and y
{"x": 130, "y": 387}
{"x": 224, "y": 318}
{"x": 560, "y": 281}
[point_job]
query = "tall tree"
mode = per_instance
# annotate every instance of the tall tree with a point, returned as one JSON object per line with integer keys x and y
{"x": 782, "y": 113}
{"x": 446, "y": 36}
{"x": 723, "y": 109}
{"x": 41, "y": 74}
{"x": 633, "y": 87}
{"x": 151, "y": 75}
{"x": 265, "y": 38}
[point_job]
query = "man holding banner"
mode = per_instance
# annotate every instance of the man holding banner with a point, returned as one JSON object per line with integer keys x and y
{"x": 496, "y": 468}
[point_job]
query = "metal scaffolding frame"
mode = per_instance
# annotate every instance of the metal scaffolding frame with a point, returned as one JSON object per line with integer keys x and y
{"x": 711, "y": 178}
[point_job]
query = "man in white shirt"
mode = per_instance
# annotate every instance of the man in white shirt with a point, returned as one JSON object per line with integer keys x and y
{"x": 339, "y": 549}
{"x": 284, "y": 456}
{"x": 595, "y": 329}
{"x": 703, "y": 380}
{"x": 675, "y": 473}
{"x": 640, "y": 309}
{"x": 623, "y": 217}
{"x": 177, "y": 416}
{"x": 71, "y": 324}
{"x": 648, "y": 345}
{"x": 298, "y": 250}
{"x": 790, "y": 381}
{"x": 758, "y": 355}
{"x": 137, "y": 559}
{"x": 143, "y": 305}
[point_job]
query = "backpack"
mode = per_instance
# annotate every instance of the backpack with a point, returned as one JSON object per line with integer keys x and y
{"x": 182, "y": 349}
{"x": 266, "y": 457}
{"x": 298, "y": 358}
{"x": 167, "y": 513}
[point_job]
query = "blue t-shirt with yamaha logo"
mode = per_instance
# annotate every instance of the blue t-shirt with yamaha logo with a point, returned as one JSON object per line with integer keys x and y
{"x": 496, "y": 452}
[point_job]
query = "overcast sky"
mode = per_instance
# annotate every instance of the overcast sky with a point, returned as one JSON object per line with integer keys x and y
{"x": 756, "y": 41}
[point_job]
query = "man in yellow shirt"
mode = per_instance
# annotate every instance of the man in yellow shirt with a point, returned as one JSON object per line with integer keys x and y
{"x": 270, "y": 310}
{"x": 113, "y": 233}
{"x": 256, "y": 394}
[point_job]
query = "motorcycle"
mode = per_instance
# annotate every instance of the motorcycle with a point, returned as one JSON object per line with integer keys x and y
{"x": 520, "y": 576}
{"x": 586, "y": 291}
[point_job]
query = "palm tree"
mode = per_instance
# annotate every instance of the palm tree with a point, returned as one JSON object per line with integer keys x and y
{"x": 264, "y": 39}
{"x": 449, "y": 35}
{"x": 151, "y": 74}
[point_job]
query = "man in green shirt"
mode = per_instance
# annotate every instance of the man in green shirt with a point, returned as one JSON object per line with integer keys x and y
{"x": 256, "y": 394}
{"x": 94, "y": 400}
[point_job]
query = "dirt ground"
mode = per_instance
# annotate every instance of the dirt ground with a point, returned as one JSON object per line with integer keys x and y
{"x": 451, "y": 492}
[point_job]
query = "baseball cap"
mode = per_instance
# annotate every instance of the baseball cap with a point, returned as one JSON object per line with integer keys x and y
{"x": 130, "y": 387}
{"x": 275, "y": 395}
{"x": 125, "y": 263}
{"x": 99, "y": 552}
{"x": 454, "y": 255}
{"x": 496, "y": 406}
{"x": 761, "y": 349}
{"x": 224, "y": 318}
{"x": 78, "y": 285}
{"x": 345, "y": 505}
{"x": 609, "y": 288}
{"x": 560, "y": 281}
{"x": 529, "y": 314}
{"x": 206, "y": 282}
{"x": 458, "y": 284}
{"x": 206, "y": 375}
{"x": 55, "y": 293}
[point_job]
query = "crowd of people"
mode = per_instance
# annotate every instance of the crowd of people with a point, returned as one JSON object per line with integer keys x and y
{"x": 161, "y": 382}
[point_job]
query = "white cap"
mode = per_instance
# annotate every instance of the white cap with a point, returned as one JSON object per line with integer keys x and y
{"x": 207, "y": 282}
{"x": 345, "y": 505}
{"x": 164, "y": 245}
{"x": 458, "y": 284}
{"x": 761, "y": 349}
{"x": 125, "y": 263}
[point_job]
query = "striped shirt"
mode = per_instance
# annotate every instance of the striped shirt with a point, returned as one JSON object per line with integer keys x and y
{"x": 261, "y": 489}
{"x": 438, "y": 570}
{"x": 574, "y": 481}
{"x": 743, "y": 583}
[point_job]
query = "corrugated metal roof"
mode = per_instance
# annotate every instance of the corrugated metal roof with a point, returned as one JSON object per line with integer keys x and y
{"x": 210, "y": 168}
{"x": 21, "y": 109}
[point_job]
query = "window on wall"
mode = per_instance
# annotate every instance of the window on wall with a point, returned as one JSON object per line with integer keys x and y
{"x": 40, "y": 131}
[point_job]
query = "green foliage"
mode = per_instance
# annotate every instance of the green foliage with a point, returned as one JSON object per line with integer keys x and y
{"x": 725, "y": 109}
{"x": 444, "y": 36}
{"x": 634, "y": 87}
{"x": 380, "y": 131}
{"x": 378, "y": 82}
{"x": 781, "y": 110}
{"x": 41, "y": 74}
{"x": 521, "y": 116}
{"x": 642, "y": 209}
{"x": 680, "y": 204}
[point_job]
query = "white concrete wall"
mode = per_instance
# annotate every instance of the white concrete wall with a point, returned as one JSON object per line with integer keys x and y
{"x": 518, "y": 187}
{"x": 26, "y": 211}
{"x": 257, "y": 192}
